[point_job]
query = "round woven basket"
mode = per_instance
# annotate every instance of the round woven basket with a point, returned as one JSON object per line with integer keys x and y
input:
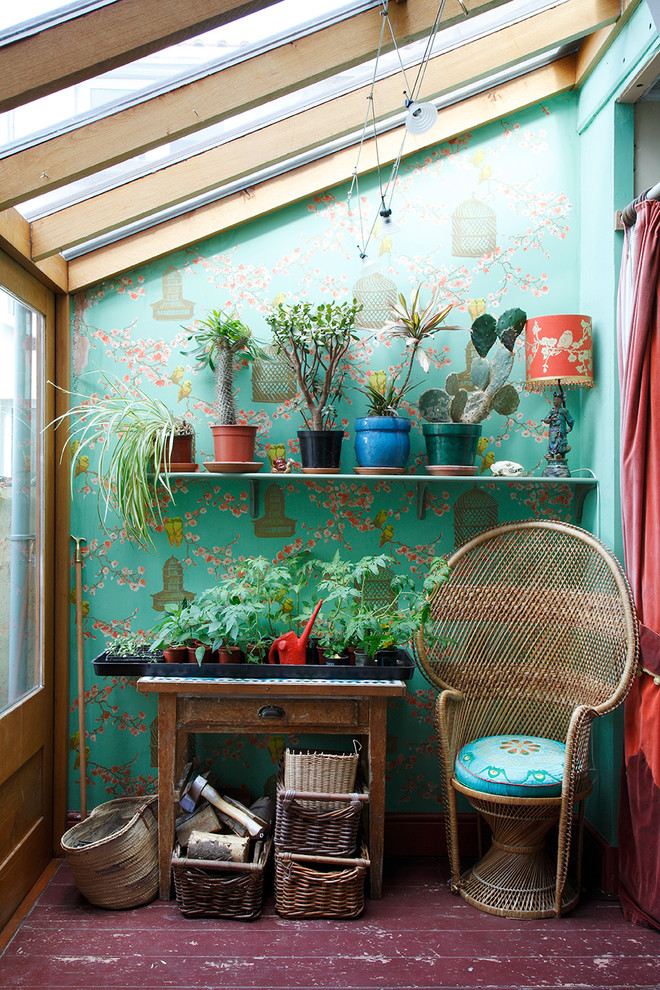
{"x": 113, "y": 854}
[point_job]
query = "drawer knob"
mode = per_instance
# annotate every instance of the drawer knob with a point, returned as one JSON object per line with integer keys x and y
{"x": 271, "y": 711}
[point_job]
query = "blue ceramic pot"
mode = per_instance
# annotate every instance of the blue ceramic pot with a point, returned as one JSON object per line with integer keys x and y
{"x": 382, "y": 441}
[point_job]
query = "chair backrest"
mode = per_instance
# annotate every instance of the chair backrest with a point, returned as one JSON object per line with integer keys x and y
{"x": 536, "y": 619}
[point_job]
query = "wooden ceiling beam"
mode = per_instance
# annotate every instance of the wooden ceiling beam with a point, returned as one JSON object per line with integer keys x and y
{"x": 217, "y": 96}
{"x": 308, "y": 180}
{"x": 307, "y": 130}
{"x": 94, "y": 42}
{"x": 15, "y": 241}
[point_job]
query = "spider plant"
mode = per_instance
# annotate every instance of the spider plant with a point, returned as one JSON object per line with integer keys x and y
{"x": 130, "y": 432}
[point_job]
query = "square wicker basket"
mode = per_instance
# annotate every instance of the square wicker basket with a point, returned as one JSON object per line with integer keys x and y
{"x": 320, "y": 773}
{"x": 329, "y": 831}
{"x": 217, "y": 889}
{"x": 320, "y": 886}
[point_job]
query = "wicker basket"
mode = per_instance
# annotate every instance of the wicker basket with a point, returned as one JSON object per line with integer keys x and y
{"x": 331, "y": 831}
{"x": 320, "y": 773}
{"x": 319, "y": 886}
{"x": 113, "y": 854}
{"x": 218, "y": 889}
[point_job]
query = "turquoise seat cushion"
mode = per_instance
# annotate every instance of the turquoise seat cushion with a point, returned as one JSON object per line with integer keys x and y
{"x": 517, "y": 765}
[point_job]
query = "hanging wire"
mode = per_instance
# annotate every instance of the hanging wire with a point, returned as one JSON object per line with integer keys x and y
{"x": 385, "y": 210}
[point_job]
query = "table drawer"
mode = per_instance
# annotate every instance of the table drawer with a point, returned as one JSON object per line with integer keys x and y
{"x": 269, "y": 715}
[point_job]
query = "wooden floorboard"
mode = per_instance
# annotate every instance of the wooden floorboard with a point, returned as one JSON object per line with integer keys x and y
{"x": 418, "y": 937}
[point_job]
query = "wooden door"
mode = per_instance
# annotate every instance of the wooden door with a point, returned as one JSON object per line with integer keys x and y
{"x": 26, "y": 568}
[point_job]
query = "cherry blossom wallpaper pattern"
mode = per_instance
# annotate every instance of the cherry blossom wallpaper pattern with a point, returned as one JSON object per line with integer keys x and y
{"x": 510, "y": 189}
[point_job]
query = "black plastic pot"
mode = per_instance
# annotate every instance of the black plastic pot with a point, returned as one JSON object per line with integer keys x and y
{"x": 320, "y": 449}
{"x": 387, "y": 658}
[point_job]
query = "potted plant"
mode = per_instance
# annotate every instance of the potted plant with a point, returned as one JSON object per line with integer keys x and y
{"x": 182, "y": 455}
{"x": 315, "y": 341}
{"x": 454, "y": 415}
{"x": 382, "y": 437}
{"x": 130, "y": 645}
{"x": 130, "y": 432}
{"x": 173, "y": 632}
{"x": 218, "y": 340}
{"x": 370, "y": 626}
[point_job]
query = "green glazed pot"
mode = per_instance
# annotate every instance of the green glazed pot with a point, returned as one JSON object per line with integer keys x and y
{"x": 451, "y": 443}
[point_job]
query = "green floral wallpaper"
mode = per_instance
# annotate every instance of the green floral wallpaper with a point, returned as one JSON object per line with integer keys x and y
{"x": 490, "y": 217}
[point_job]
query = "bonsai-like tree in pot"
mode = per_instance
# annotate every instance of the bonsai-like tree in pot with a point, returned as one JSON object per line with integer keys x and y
{"x": 218, "y": 340}
{"x": 315, "y": 342}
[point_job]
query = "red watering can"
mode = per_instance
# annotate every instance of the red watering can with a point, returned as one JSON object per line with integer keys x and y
{"x": 290, "y": 648}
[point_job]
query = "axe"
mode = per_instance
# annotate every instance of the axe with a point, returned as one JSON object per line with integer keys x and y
{"x": 200, "y": 788}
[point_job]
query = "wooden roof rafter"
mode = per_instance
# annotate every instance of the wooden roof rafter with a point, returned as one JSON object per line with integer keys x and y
{"x": 311, "y": 128}
{"x": 124, "y": 134}
{"x": 96, "y": 41}
{"x": 299, "y": 184}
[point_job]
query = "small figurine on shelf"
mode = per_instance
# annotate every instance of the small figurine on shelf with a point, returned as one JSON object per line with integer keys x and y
{"x": 560, "y": 423}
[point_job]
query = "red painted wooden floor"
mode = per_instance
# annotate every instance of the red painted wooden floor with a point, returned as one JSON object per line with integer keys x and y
{"x": 418, "y": 936}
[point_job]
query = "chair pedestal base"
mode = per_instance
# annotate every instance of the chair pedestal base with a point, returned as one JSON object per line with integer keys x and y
{"x": 526, "y": 886}
{"x": 516, "y": 878}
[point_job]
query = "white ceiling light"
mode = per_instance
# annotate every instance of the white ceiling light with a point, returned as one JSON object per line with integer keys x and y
{"x": 420, "y": 117}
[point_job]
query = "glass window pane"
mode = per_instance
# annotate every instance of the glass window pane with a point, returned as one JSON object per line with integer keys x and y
{"x": 21, "y": 329}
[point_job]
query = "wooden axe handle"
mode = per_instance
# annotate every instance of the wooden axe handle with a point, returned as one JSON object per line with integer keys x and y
{"x": 255, "y": 829}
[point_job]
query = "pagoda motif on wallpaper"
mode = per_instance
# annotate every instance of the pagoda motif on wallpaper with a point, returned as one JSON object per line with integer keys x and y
{"x": 172, "y": 306}
{"x": 173, "y": 590}
{"x": 274, "y": 523}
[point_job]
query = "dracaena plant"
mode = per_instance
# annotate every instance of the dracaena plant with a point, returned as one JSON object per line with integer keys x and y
{"x": 415, "y": 324}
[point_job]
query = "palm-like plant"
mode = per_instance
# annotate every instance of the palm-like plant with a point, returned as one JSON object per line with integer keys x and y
{"x": 130, "y": 432}
{"x": 218, "y": 339}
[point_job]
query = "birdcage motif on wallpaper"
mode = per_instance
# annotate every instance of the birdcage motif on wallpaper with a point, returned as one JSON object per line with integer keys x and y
{"x": 273, "y": 379}
{"x": 473, "y": 229}
{"x": 377, "y": 588}
{"x": 274, "y": 523}
{"x": 173, "y": 590}
{"x": 172, "y": 306}
{"x": 474, "y": 511}
{"x": 376, "y": 294}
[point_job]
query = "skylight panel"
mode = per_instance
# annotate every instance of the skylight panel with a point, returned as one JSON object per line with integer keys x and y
{"x": 169, "y": 68}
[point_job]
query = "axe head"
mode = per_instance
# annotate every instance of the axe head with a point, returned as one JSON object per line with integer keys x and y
{"x": 192, "y": 793}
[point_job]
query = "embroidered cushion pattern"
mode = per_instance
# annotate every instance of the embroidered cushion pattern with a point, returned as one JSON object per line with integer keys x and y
{"x": 517, "y": 765}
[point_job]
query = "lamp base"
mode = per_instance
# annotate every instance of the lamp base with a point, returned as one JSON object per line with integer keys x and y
{"x": 557, "y": 468}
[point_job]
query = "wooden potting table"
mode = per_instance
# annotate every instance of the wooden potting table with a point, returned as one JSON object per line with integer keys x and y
{"x": 289, "y": 706}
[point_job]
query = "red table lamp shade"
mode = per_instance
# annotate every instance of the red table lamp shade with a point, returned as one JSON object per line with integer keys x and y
{"x": 558, "y": 347}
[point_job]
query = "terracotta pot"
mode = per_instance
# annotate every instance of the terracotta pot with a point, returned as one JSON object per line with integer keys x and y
{"x": 229, "y": 654}
{"x": 234, "y": 443}
{"x": 175, "y": 654}
{"x": 209, "y": 655}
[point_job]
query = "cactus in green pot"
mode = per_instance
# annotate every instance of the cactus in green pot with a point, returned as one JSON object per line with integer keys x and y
{"x": 494, "y": 341}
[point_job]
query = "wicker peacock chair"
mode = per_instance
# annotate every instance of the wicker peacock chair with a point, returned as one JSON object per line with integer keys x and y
{"x": 533, "y": 636}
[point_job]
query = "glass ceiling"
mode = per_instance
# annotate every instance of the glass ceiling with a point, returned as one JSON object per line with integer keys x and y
{"x": 206, "y": 53}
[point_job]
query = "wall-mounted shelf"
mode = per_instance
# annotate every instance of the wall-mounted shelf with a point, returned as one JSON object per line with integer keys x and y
{"x": 424, "y": 484}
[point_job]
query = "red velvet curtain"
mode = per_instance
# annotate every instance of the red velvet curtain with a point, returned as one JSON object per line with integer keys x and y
{"x": 639, "y": 375}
